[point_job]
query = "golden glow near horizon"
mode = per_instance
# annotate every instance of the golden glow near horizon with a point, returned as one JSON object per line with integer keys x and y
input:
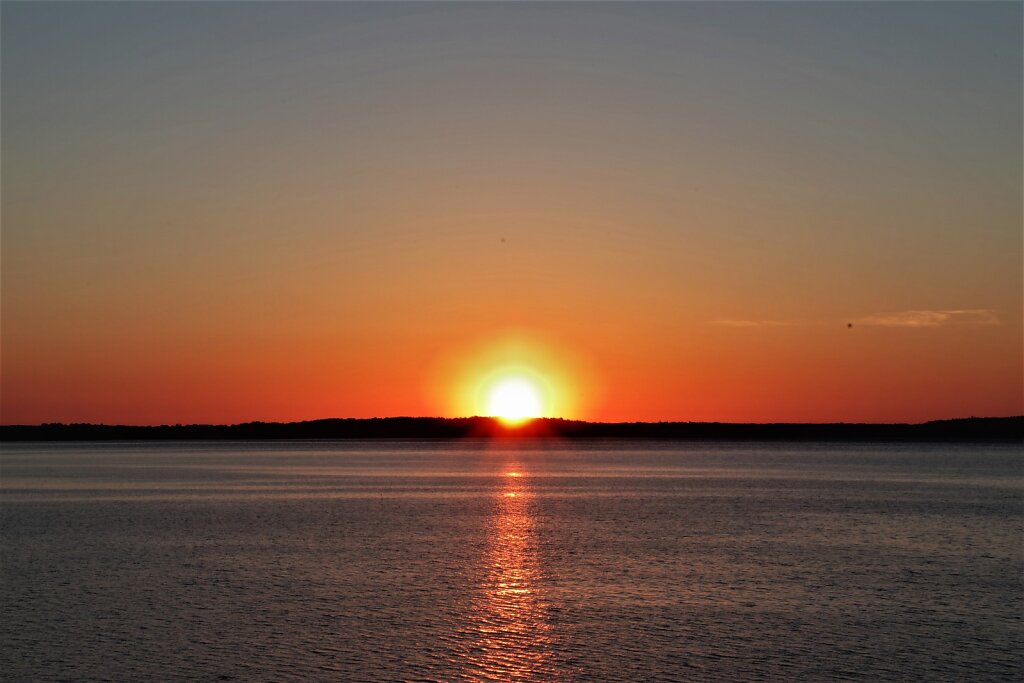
{"x": 515, "y": 376}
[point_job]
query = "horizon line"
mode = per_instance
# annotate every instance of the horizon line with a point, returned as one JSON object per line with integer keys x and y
{"x": 501, "y": 421}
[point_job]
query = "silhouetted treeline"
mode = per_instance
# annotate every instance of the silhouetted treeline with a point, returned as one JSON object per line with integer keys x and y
{"x": 968, "y": 429}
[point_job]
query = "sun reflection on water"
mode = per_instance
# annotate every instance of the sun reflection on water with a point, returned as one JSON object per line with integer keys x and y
{"x": 514, "y": 637}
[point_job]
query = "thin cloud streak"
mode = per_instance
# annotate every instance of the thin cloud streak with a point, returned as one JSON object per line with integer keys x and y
{"x": 972, "y": 316}
{"x": 912, "y": 318}
{"x": 765, "y": 323}
{"x": 751, "y": 323}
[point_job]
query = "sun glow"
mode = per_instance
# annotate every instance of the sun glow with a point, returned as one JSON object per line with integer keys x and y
{"x": 514, "y": 377}
{"x": 514, "y": 400}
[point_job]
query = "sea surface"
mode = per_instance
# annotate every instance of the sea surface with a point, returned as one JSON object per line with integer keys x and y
{"x": 505, "y": 561}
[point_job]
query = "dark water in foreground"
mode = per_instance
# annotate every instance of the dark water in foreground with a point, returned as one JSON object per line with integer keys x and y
{"x": 482, "y": 561}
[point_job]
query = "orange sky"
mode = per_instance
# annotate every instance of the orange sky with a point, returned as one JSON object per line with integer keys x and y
{"x": 222, "y": 214}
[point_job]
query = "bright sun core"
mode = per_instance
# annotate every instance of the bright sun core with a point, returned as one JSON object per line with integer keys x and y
{"x": 514, "y": 400}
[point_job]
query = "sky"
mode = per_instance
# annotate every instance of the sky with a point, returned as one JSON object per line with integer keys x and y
{"x": 223, "y": 212}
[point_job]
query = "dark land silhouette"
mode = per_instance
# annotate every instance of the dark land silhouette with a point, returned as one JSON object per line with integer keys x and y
{"x": 968, "y": 429}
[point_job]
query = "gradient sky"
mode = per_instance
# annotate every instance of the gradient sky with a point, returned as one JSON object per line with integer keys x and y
{"x": 222, "y": 212}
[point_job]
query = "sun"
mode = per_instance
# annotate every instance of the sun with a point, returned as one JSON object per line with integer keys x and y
{"x": 514, "y": 376}
{"x": 514, "y": 400}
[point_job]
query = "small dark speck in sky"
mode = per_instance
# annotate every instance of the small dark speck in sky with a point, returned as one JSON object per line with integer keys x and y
{"x": 849, "y": 324}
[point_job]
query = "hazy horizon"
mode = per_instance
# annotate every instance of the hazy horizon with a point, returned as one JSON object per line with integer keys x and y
{"x": 498, "y": 420}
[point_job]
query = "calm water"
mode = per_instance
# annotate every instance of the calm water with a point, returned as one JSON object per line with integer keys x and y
{"x": 482, "y": 561}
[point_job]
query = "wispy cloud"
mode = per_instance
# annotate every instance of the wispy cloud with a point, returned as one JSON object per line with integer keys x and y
{"x": 754, "y": 323}
{"x": 970, "y": 316}
{"x": 915, "y": 318}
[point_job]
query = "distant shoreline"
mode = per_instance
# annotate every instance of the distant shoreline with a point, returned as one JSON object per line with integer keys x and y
{"x": 983, "y": 429}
